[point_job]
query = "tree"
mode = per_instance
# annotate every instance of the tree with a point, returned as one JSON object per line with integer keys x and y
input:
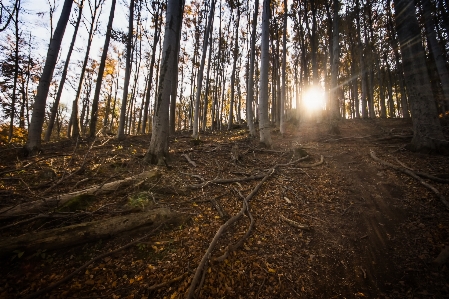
{"x": 55, "y": 107}
{"x": 234, "y": 65}
{"x": 95, "y": 10}
{"x": 264, "y": 123}
{"x": 427, "y": 133}
{"x": 37, "y": 119}
{"x": 158, "y": 150}
{"x": 284, "y": 77}
{"x": 156, "y": 35}
{"x": 94, "y": 111}
{"x": 335, "y": 113}
{"x": 121, "y": 128}
{"x": 199, "y": 85}
{"x": 250, "y": 92}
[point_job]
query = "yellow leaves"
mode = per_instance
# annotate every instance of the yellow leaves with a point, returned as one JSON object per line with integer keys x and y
{"x": 157, "y": 249}
{"x": 151, "y": 267}
{"x": 174, "y": 295}
{"x": 131, "y": 281}
{"x": 270, "y": 270}
{"x": 114, "y": 284}
{"x": 194, "y": 204}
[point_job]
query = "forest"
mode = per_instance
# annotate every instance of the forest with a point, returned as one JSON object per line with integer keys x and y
{"x": 224, "y": 149}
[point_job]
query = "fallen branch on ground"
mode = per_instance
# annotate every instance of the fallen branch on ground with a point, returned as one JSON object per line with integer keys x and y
{"x": 85, "y": 232}
{"x": 189, "y": 160}
{"x": 294, "y": 223}
{"x": 413, "y": 175}
{"x": 101, "y": 256}
{"x": 39, "y": 205}
{"x": 424, "y": 175}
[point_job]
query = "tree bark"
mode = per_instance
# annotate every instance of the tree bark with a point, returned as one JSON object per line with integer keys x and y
{"x": 427, "y": 132}
{"x": 37, "y": 118}
{"x": 158, "y": 150}
{"x": 85, "y": 232}
{"x": 54, "y": 109}
{"x": 94, "y": 111}
{"x": 250, "y": 93}
{"x": 234, "y": 66}
{"x": 199, "y": 84}
{"x": 121, "y": 126}
{"x": 264, "y": 123}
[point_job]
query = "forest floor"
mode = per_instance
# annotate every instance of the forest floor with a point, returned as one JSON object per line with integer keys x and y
{"x": 354, "y": 228}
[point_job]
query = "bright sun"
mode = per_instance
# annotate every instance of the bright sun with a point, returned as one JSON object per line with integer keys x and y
{"x": 313, "y": 99}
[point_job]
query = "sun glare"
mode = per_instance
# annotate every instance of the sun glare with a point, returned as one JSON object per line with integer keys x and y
{"x": 313, "y": 99}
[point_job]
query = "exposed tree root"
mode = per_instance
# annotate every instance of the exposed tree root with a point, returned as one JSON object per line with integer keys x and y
{"x": 189, "y": 160}
{"x": 40, "y": 205}
{"x": 101, "y": 256}
{"x": 196, "y": 281}
{"x": 163, "y": 284}
{"x": 312, "y": 165}
{"x": 413, "y": 175}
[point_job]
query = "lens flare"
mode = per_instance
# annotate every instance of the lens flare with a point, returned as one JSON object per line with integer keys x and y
{"x": 313, "y": 99}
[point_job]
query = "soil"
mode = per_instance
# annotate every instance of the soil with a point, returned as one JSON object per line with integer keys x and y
{"x": 373, "y": 231}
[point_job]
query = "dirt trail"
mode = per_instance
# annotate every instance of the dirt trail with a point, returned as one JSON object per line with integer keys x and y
{"x": 364, "y": 248}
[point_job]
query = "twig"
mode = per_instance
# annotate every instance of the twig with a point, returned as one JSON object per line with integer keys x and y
{"x": 163, "y": 284}
{"x": 314, "y": 164}
{"x": 294, "y": 223}
{"x": 99, "y": 257}
{"x": 413, "y": 175}
{"x": 189, "y": 160}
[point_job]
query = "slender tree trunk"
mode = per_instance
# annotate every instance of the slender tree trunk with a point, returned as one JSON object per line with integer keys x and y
{"x": 122, "y": 119}
{"x": 434, "y": 47}
{"x": 234, "y": 66}
{"x": 37, "y": 118}
{"x": 158, "y": 150}
{"x": 156, "y": 35}
{"x": 199, "y": 83}
{"x": 428, "y": 135}
{"x": 94, "y": 112}
{"x": 206, "y": 97}
{"x": 335, "y": 109}
{"x": 16, "y": 70}
{"x": 264, "y": 123}
{"x": 54, "y": 108}
{"x": 284, "y": 77}
{"x": 250, "y": 93}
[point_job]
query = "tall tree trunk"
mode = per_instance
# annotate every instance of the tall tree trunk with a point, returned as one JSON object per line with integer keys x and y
{"x": 199, "y": 83}
{"x": 73, "y": 129}
{"x": 37, "y": 118}
{"x": 94, "y": 112}
{"x": 234, "y": 66}
{"x": 434, "y": 47}
{"x": 283, "y": 74}
{"x": 16, "y": 70}
{"x": 250, "y": 93}
{"x": 335, "y": 109}
{"x": 264, "y": 123}
{"x": 156, "y": 35}
{"x": 362, "y": 64}
{"x": 427, "y": 132}
{"x": 54, "y": 108}
{"x": 122, "y": 120}
{"x": 158, "y": 150}
{"x": 206, "y": 97}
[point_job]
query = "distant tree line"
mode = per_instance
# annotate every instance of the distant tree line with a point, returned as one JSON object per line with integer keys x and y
{"x": 208, "y": 65}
